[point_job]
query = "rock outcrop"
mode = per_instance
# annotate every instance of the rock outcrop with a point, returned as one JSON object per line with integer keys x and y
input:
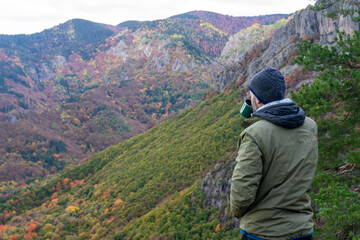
{"x": 278, "y": 50}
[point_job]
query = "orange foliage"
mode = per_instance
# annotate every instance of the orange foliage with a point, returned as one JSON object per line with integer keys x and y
{"x": 13, "y": 237}
{"x": 76, "y": 182}
{"x": 30, "y": 235}
{"x": 53, "y": 202}
{"x": 65, "y": 182}
{"x": 58, "y": 186}
{"x": 106, "y": 210}
{"x": 32, "y": 227}
{"x": 93, "y": 230}
{"x": 56, "y": 155}
{"x": 76, "y": 121}
{"x": 217, "y": 228}
{"x": 2, "y": 227}
{"x": 118, "y": 201}
{"x": 55, "y": 195}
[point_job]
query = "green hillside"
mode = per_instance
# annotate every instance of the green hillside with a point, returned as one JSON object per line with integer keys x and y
{"x": 153, "y": 186}
{"x": 127, "y": 181}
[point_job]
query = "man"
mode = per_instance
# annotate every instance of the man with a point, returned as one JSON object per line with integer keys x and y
{"x": 275, "y": 165}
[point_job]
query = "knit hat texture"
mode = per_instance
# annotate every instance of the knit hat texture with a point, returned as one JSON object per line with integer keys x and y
{"x": 268, "y": 85}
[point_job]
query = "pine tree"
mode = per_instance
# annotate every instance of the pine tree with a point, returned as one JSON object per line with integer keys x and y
{"x": 333, "y": 98}
{"x": 333, "y": 101}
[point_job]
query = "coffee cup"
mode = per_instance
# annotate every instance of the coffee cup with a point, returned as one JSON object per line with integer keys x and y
{"x": 246, "y": 109}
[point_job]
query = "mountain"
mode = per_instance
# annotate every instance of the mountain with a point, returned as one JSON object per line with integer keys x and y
{"x": 173, "y": 181}
{"x": 225, "y": 23}
{"x": 245, "y": 39}
{"x": 80, "y": 87}
{"x": 280, "y": 50}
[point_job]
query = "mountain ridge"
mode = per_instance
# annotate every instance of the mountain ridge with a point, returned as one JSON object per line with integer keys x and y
{"x": 86, "y": 86}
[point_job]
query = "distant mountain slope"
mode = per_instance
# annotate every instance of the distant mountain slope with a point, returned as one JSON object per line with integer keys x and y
{"x": 77, "y": 88}
{"x": 229, "y": 24}
{"x": 245, "y": 39}
{"x": 74, "y": 35}
{"x": 211, "y": 23}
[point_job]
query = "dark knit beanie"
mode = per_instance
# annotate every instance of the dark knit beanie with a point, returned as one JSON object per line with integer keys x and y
{"x": 268, "y": 85}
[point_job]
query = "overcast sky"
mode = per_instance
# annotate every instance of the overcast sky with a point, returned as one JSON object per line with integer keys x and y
{"x": 30, "y": 16}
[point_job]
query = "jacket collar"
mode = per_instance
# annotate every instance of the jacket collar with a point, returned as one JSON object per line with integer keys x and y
{"x": 249, "y": 121}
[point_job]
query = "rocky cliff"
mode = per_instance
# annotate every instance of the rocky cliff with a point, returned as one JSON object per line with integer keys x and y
{"x": 245, "y": 39}
{"x": 278, "y": 51}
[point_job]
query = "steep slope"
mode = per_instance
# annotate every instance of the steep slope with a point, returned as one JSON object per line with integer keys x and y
{"x": 80, "y": 87}
{"x": 228, "y": 24}
{"x": 280, "y": 50}
{"x": 126, "y": 181}
{"x": 215, "y": 24}
{"x": 244, "y": 40}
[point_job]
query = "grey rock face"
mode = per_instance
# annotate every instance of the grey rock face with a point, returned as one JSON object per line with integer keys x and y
{"x": 216, "y": 185}
{"x": 179, "y": 66}
{"x": 9, "y": 118}
{"x": 58, "y": 61}
{"x": 45, "y": 71}
{"x": 277, "y": 51}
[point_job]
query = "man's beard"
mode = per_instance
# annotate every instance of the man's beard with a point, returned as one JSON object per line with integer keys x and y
{"x": 253, "y": 104}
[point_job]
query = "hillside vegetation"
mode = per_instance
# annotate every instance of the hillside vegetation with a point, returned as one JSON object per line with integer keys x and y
{"x": 129, "y": 180}
{"x": 80, "y": 87}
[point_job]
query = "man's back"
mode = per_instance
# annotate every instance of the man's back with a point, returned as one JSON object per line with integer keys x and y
{"x": 275, "y": 169}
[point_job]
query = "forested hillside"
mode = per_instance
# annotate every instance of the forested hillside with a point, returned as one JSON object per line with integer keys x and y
{"x": 130, "y": 180}
{"x": 80, "y": 87}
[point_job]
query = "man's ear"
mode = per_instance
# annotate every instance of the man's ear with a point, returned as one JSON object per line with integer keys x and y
{"x": 258, "y": 102}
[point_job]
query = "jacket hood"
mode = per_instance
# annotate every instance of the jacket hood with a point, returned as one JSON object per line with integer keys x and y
{"x": 283, "y": 113}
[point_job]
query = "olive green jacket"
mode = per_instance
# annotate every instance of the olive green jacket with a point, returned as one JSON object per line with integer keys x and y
{"x": 274, "y": 171}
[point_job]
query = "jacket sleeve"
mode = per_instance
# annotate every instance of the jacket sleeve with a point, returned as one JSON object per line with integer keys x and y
{"x": 246, "y": 176}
